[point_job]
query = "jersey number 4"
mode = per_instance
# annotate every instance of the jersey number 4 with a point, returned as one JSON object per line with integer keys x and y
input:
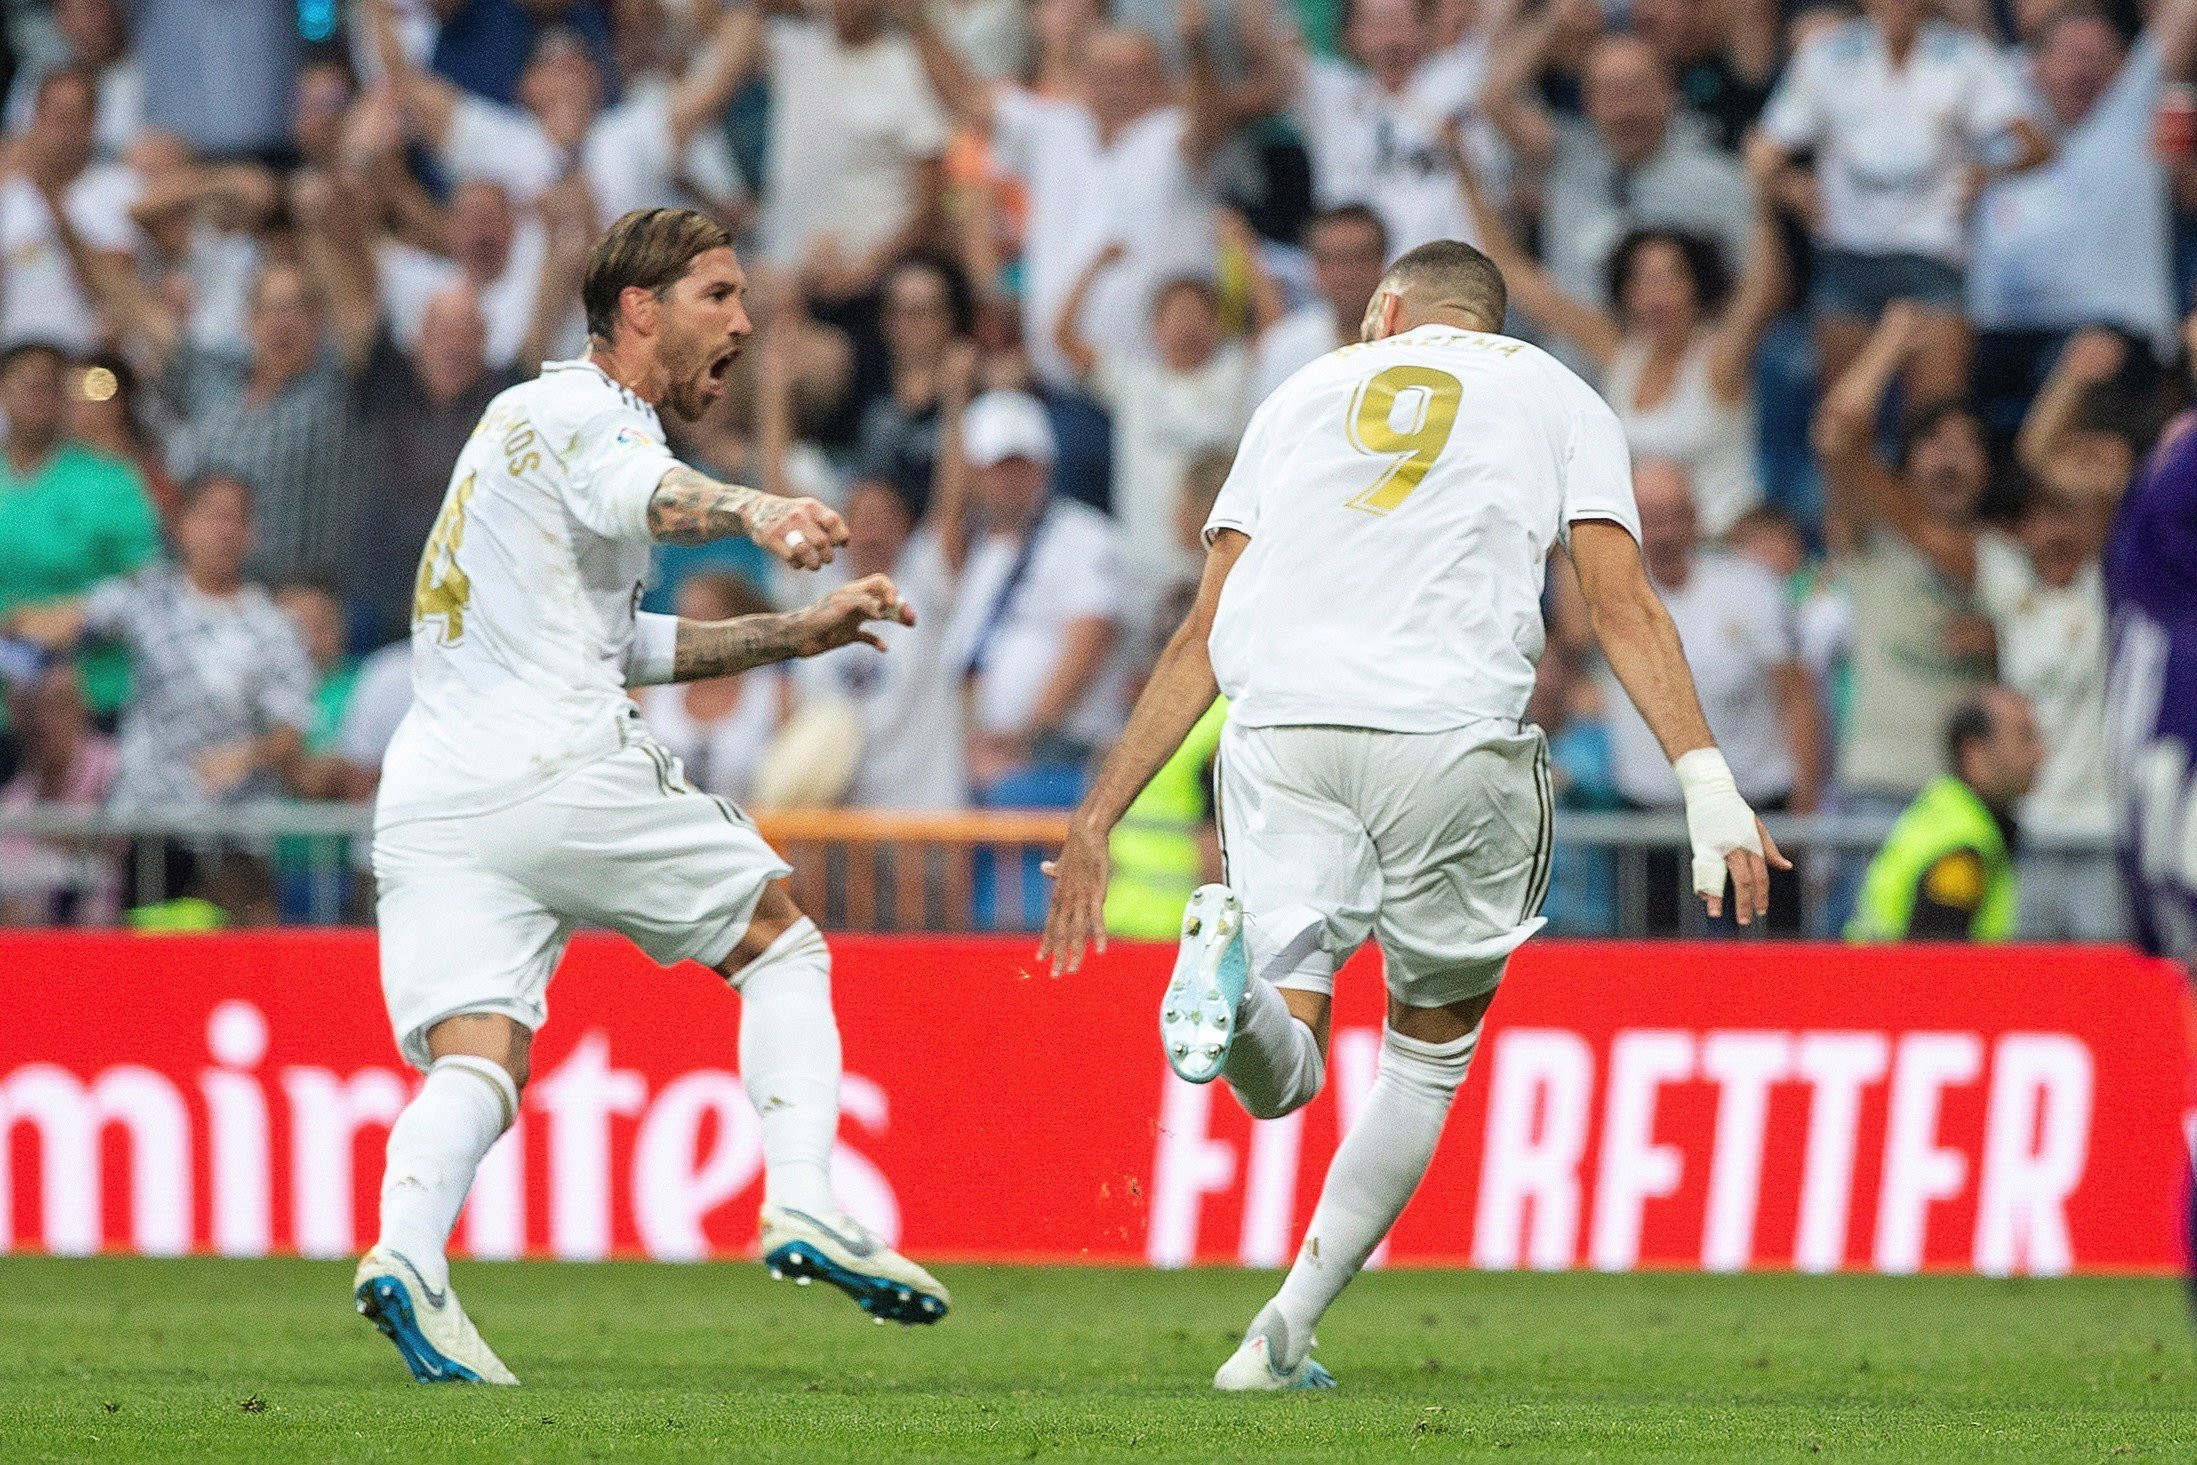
{"x": 1403, "y": 414}
{"x": 443, "y": 589}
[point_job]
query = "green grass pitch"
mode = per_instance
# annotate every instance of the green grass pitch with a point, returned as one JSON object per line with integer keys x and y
{"x": 127, "y": 1359}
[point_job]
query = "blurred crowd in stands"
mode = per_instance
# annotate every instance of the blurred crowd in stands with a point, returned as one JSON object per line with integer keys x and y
{"x": 1890, "y": 301}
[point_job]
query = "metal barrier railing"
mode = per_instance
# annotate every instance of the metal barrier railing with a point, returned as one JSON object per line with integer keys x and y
{"x": 976, "y": 870}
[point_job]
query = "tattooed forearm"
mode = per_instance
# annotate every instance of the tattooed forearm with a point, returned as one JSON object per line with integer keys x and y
{"x": 705, "y": 649}
{"x": 691, "y": 508}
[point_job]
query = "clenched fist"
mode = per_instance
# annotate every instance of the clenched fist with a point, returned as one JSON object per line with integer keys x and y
{"x": 802, "y": 532}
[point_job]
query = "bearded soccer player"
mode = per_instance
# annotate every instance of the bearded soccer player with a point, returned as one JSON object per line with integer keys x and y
{"x": 1371, "y": 608}
{"x": 523, "y": 795}
{"x": 2151, "y": 704}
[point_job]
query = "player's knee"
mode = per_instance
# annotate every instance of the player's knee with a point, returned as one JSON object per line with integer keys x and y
{"x": 798, "y": 947}
{"x": 503, "y": 1041}
{"x": 776, "y": 914}
{"x": 1436, "y": 1069}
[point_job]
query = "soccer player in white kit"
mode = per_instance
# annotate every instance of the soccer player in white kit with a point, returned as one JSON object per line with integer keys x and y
{"x": 1372, "y": 608}
{"x": 522, "y": 794}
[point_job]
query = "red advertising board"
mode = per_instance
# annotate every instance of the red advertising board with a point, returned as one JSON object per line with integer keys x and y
{"x": 1729, "y": 1106}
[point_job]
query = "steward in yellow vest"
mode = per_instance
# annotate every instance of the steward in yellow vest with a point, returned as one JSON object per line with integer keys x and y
{"x": 1158, "y": 848}
{"x": 1946, "y": 871}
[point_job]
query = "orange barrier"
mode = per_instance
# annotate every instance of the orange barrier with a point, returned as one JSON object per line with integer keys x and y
{"x": 872, "y": 870}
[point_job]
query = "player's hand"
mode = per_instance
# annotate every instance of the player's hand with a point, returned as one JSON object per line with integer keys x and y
{"x": 843, "y": 617}
{"x": 1729, "y": 842}
{"x": 1076, "y": 918}
{"x": 1750, "y": 875}
{"x": 802, "y": 532}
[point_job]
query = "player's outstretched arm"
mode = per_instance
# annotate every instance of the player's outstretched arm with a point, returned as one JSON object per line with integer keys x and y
{"x": 1181, "y": 688}
{"x": 705, "y": 649}
{"x": 692, "y": 508}
{"x": 1642, "y": 647}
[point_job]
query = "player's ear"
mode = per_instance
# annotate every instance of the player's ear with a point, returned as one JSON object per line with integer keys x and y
{"x": 637, "y": 306}
{"x": 1381, "y": 315}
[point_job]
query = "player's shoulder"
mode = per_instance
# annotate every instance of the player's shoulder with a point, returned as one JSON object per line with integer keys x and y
{"x": 575, "y": 399}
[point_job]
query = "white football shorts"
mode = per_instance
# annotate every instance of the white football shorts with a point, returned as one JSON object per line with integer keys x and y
{"x": 474, "y": 911}
{"x": 1434, "y": 844}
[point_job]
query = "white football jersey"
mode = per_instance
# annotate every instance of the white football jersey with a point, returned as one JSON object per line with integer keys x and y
{"x": 523, "y": 614}
{"x": 1402, "y": 498}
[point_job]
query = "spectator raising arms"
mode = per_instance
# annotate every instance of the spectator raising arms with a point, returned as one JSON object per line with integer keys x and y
{"x": 1908, "y": 117}
{"x": 64, "y": 220}
{"x": 634, "y": 155}
{"x": 2085, "y": 239}
{"x": 1675, "y": 357}
{"x": 1912, "y": 542}
{"x": 1166, "y": 407}
{"x": 1631, "y": 163}
{"x": 1116, "y": 161}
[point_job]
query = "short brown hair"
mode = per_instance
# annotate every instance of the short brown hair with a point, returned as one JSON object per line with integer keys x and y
{"x": 649, "y": 249}
{"x": 1451, "y": 272}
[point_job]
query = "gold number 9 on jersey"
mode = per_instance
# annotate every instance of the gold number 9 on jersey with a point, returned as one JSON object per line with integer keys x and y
{"x": 444, "y": 589}
{"x": 1425, "y": 399}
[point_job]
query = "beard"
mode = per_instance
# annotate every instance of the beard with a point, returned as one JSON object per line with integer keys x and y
{"x": 691, "y": 383}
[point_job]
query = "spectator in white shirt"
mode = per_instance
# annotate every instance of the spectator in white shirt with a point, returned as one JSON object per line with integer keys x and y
{"x": 1115, "y": 161}
{"x": 2080, "y": 449}
{"x": 1674, "y": 354}
{"x": 1373, "y": 118}
{"x": 1908, "y": 118}
{"x": 1737, "y": 627}
{"x": 1349, "y": 249}
{"x": 47, "y": 296}
{"x": 1035, "y": 622}
{"x": 1631, "y": 163}
{"x": 642, "y": 153}
{"x": 856, "y": 169}
{"x": 2087, "y": 238}
{"x": 1191, "y": 394}
{"x": 909, "y": 700}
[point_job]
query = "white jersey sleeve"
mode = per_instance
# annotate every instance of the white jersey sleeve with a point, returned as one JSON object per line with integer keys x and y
{"x": 1597, "y": 465}
{"x": 619, "y": 457}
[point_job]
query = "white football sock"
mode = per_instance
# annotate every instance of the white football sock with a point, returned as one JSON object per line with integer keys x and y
{"x": 1376, "y": 1168}
{"x": 789, "y": 1061}
{"x": 434, "y": 1148}
{"x": 1274, "y": 1065}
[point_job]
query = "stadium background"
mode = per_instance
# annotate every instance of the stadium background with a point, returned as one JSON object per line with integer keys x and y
{"x": 235, "y": 248}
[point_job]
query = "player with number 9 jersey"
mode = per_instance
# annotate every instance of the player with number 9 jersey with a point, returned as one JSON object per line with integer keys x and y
{"x": 1401, "y": 498}
{"x": 1371, "y": 607}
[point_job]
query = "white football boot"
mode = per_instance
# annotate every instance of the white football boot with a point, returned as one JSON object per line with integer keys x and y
{"x": 843, "y": 1252}
{"x": 437, "y": 1340}
{"x": 1198, "y": 1012}
{"x": 1255, "y": 1366}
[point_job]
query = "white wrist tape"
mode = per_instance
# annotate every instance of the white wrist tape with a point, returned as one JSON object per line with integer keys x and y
{"x": 1718, "y": 820}
{"x": 655, "y": 642}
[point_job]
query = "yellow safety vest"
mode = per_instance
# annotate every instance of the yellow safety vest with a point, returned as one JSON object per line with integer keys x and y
{"x": 1947, "y": 817}
{"x": 1157, "y": 859}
